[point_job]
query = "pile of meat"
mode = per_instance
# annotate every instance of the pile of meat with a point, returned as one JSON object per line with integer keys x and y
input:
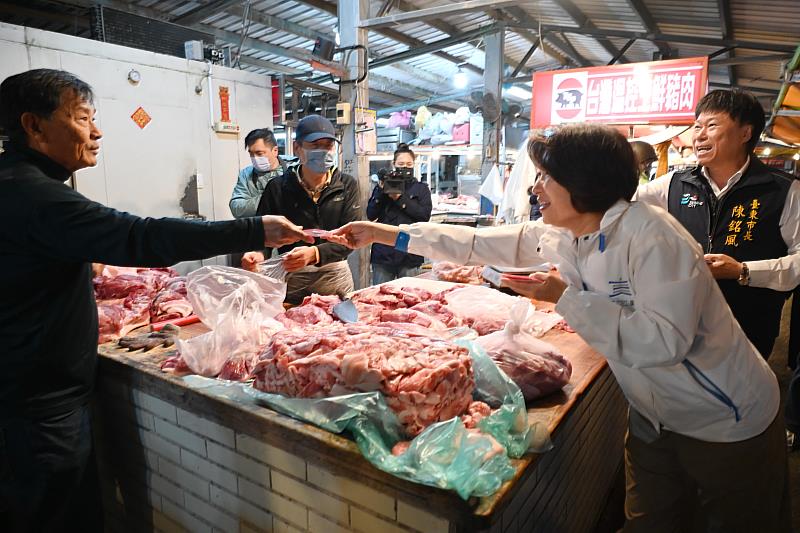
{"x": 128, "y": 298}
{"x": 425, "y": 379}
{"x": 446, "y": 271}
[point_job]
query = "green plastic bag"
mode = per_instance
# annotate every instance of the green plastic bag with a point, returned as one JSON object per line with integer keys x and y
{"x": 445, "y": 455}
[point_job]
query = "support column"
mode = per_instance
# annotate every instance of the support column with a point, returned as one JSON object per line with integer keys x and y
{"x": 351, "y": 13}
{"x": 492, "y": 83}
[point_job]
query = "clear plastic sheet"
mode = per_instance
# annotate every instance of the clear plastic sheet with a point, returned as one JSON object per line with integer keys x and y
{"x": 239, "y": 307}
{"x": 534, "y": 365}
{"x": 445, "y": 455}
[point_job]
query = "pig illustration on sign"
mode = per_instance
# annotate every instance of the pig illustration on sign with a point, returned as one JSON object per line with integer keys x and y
{"x": 569, "y": 98}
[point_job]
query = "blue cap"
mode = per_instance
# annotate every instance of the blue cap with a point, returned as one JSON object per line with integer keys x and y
{"x": 314, "y": 127}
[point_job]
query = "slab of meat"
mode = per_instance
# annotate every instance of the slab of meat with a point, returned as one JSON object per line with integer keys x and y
{"x": 475, "y": 413}
{"x": 169, "y": 304}
{"x": 391, "y": 297}
{"x": 412, "y": 316}
{"x": 304, "y": 315}
{"x": 534, "y": 365}
{"x": 441, "y": 312}
{"x": 109, "y": 319}
{"x": 446, "y": 271}
{"x": 121, "y": 286}
{"x": 424, "y": 379}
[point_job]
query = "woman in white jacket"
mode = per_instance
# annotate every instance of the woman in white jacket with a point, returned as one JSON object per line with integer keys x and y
{"x": 705, "y": 445}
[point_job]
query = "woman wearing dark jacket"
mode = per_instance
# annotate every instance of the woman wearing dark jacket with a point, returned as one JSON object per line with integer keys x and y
{"x": 412, "y": 205}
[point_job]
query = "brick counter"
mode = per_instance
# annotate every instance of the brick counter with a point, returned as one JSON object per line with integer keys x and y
{"x": 173, "y": 458}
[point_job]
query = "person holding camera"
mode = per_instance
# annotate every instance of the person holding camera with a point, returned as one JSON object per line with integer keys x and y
{"x": 398, "y": 198}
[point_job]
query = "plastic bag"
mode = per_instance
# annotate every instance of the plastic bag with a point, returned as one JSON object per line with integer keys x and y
{"x": 400, "y": 119}
{"x": 445, "y": 454}
{"x": 534, "y": 365}
{"x": 422, "y": 117}
{"x": 239, "y": 307}
{"x": 487, "y": 310}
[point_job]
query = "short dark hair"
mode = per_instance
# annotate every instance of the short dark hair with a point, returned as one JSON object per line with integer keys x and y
{"x": 402, "y": 148}
{"x": 740, "y": 105}
{"x": 37, "y": 91}
{"x": 594, "y": 163}
{"x": 265, "y": 134}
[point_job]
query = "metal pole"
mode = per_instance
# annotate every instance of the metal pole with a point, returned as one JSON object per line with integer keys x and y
{"x": 492, "y": 83}
{"x": 351, "y": 13}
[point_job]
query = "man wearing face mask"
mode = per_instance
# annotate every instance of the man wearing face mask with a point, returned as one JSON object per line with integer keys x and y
{"x": 263, "y": 150}
{"x": 313, "y": 194}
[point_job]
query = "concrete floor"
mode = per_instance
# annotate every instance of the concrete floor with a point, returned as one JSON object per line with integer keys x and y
{"x": 613, "y": 517}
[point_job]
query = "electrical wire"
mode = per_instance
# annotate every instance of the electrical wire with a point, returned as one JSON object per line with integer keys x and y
{"x": 245, "y": 30}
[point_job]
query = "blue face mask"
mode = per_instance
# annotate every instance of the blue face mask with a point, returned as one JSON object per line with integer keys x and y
{"x": 260, "y": 163}
{"x": 319, "y": 161}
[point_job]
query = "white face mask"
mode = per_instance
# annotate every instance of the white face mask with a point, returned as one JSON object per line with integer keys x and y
{"x": 260, "y": 163}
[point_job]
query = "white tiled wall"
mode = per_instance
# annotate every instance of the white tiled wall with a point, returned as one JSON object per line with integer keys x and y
{"x": 204, "y": 477}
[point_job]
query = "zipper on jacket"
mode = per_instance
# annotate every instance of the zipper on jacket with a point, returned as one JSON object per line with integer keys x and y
{"x": 710, "y": 387}
{"x": 713, "y": 214}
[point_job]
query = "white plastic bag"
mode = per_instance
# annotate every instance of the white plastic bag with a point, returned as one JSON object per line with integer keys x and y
{"x": 239, "y": 307}
{"x": 487, "y": 310}
{"x": 534, "y": 365}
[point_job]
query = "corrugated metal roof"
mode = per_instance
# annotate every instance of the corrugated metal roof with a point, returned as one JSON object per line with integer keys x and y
{"x": 776, "y": 22}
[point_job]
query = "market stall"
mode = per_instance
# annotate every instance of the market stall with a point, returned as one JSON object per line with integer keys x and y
{"x": 178, "y": 456}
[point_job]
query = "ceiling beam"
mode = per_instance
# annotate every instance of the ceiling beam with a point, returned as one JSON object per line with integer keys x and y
{"x": 400, "y": 37}
{"x": 583, "y": 21}
{"x": 689, "y": 39}
{"x": 278, "y": 23}
{"x": 437, "y": 12}
{"x": 726, "y": 28}
{"x": 270, "y": 66}
{"x": 566, "y": 49}
{"x": 525, "y": 59}
{"x": 622, "y": 51}
{"x": 433, "y": 47}
{"x": 200, "y": 13}
{"x": 81, "y": 22}
{"x": 741, "y": 60}
{"x": 649, "y": 24}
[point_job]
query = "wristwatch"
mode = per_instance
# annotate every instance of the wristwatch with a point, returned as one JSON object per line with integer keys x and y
{"x": 744, "y": 276}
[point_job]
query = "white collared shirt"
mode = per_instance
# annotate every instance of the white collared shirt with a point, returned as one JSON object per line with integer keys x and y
{"x": 731, "y": 181}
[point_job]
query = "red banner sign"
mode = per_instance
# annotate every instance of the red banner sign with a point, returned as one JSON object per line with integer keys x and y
{"x": 224, "y": 104}
{"x": 658, "y": 92}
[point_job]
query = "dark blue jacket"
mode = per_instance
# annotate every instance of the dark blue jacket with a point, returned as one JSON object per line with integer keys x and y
{"x": 414, "y": 205}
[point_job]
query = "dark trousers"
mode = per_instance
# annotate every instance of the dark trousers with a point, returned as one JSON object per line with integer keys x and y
{"x": 48, "y": 475}
{"x": 680, "y": 484}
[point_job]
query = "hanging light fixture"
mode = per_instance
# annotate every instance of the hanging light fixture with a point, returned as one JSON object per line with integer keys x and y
{"x": 460, "y": 79}
{"x": 766, "y": 151}
{"x": 796, "y": 156}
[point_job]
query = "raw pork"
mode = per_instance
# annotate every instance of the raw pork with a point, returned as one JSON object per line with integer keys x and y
{"x": 424, "y": 379}
{"x": 446, "y": 271}
{"x": 169, "y": 304}
{"x": 534, "y": 365}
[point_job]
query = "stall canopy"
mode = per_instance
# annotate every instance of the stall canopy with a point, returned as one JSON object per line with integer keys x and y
{"x": 784, "y": 123}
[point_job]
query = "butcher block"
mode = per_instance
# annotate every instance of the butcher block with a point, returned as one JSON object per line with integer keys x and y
{"x": 175, "y": 458}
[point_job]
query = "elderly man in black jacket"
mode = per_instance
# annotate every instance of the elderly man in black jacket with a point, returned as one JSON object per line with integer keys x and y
{"x": 49, "y": 236}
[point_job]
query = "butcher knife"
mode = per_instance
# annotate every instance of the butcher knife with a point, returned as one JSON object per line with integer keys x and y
{"x": 345, "y": 310}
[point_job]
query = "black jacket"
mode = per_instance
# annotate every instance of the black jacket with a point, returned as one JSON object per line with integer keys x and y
{"x": 49, "y": 235}
{"x": 338, "y": 204}
{"x": 414, "y": 205}
{"x": 743, "y": 224}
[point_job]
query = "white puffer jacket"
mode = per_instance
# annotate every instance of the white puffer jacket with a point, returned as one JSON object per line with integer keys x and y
{"x": 641, "y": 294}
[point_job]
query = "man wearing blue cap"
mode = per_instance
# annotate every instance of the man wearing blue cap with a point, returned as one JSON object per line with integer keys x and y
{"x": 313, "y": 194}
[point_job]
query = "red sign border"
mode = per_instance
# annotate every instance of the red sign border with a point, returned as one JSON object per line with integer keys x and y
{"x": 544, "y": 92}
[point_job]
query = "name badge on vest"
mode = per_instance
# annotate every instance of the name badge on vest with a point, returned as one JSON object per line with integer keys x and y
{"x": 690, "y": 200}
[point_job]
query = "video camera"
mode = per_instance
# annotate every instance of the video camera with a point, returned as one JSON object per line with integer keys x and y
{"x": 394, "y": 181}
